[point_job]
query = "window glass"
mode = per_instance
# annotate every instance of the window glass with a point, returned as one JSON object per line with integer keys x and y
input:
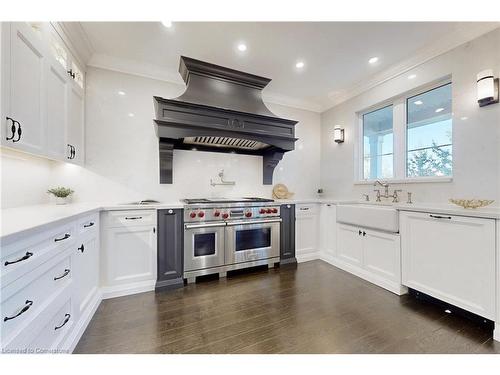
{"x": 378, "y": 144}
{"x": 429, "y": 133}
{"x": 59, "y": 52}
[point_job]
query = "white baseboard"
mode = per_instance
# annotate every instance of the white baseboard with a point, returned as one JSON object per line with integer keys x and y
{"x": 374, "y": 279}
{"x": 127, "y": 289}
{"x": 83, "y": 322}
{"x": 307, "y": 257}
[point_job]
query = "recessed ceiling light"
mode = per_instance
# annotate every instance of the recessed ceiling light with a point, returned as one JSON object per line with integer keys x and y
{"x": 439, "y": 110}
{"x": 299, "y": 64}
{"x": 463, "y": 118}
{"x": 242, "y": 47}
{"x": 418, "y": 102}
{"x": 131, "y": 115}
{"x": 167, "y": 24}
{"x": 373, "y": 60}
{"x": 122, "y": 93}
{"x": 412, "y": 76}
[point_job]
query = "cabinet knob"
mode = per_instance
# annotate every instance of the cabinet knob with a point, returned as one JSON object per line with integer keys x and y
{"x": 288, "y": 206}
{"x": 170, "y": 211}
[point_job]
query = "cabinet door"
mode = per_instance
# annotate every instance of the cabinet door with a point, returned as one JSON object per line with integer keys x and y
{"x": 381, "y": 254}
{"x": 328, "y": 225}
{"x": 86, "y": 264}
{"x": 307, "y": 230}
{"x": 130, "y": 254}
{"x": 451, "y": 258}
{"x": 170, "y": 247}
{"x": 75, "y": 132}
{"x": 26, "y": 102}
{"x": 287, "y": 234}
{"x": 350, "y": 244}
{"x": 57, "y": 104}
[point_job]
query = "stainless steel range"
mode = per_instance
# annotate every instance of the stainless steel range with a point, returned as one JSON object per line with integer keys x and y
{"x": 225, "y": 234}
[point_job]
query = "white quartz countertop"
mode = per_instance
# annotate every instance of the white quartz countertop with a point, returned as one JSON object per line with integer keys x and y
{"x": 19, "y": 219}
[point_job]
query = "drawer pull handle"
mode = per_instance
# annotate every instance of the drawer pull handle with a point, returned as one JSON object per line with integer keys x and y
{"x": 24, "y": 257}
{"x": 440, "y": 217}
{"x": 133, "y": 217}
{"x": 66, "y": 236}
{"x": 66, "y": 273}
{"x": 304, "y": 208}
{"x": 81, "y": 248}
{"x": 88, "y": 225}
{"x": 66, "y": 320}
{"x": 23, "y": 310}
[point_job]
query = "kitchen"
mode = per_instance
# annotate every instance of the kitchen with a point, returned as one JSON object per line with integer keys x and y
{"x": 254, "y": 199}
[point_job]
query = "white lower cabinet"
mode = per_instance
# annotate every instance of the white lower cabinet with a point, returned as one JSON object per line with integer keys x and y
{"x": 370, "y": 254}
{"x": 306, "y": 232}
{"x": 49, "y": 288}
{"x": 328, "y": 231}
{"x": 129, "y": 252}
{"x": 451, "y": 258}
{"x": 86, "y": 264}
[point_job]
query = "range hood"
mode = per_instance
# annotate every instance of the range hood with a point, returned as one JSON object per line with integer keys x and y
{"x": 222, "y": 111}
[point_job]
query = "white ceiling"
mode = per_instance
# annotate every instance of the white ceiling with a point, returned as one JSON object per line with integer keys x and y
{"x": 335, "y": 53}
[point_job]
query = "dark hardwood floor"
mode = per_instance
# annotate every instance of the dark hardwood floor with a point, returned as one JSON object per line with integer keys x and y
{"x": 315, "y": 308}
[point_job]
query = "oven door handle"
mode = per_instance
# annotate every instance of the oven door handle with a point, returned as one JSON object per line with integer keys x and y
{"x": 247, "y": 222}
{"x": 204, "y": 225}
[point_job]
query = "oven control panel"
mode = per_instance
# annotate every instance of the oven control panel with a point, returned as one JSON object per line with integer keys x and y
{"x": 195, "y": 214}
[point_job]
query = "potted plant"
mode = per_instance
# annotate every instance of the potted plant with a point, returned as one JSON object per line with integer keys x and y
{"x": 61, "y": 194}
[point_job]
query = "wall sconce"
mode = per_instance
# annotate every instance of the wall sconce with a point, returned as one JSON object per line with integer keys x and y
{"x": 487, "y": 88}
{"x": 338, "y": 134}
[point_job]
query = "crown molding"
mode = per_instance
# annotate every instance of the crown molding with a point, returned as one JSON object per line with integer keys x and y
{"x": 459, "y": 36}
{"x": 151, "y": 71}
{"x": 76, "y": 40}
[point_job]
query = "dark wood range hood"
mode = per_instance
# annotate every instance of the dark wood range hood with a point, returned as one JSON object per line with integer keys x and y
{"x": 221, "y": 110}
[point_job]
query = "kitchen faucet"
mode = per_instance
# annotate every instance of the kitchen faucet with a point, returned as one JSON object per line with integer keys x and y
{"x": 386, "y": 190}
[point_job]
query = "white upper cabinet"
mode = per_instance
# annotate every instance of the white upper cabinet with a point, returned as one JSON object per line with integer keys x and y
{"x": 24, "y": 100}
{"x": 42, "y": 93}
{"x": 75, "y": 135}
{"x": 57, "y": 109}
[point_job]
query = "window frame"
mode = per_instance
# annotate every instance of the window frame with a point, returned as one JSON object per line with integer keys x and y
{"x": 399, "y": 129}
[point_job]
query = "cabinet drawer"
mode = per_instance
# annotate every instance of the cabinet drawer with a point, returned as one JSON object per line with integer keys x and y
{"x": 50, "y": 337}
{"x": 25, "y": 255}
{"x": 129, "y": 218}
{"x": 88, "y": 224}
{"x": 23, "y": 299}
{"x": 306, "y": 209}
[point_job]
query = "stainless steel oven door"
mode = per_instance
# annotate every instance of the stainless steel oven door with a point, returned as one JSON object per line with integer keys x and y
{"x": 250, "y": 241}
{"x": 203, "y": 246}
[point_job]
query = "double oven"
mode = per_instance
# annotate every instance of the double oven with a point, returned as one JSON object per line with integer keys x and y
{"x": 219, "y": 237}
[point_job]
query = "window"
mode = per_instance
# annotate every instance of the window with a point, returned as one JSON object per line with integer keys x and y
{"x": 409, "y": 137}
{"x": 428, "y": 133}
{"x": 378, "y": 144}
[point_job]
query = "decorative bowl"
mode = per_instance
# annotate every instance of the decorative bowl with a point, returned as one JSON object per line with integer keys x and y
{"x": 280, "y": 191}
{"x": 471, "y": 203}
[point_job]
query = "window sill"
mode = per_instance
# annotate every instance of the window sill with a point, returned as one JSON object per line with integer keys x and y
{"x": 414, "y": 180}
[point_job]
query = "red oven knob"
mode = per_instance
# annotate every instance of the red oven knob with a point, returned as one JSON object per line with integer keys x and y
{"x": 192, "y": 215}
{"x": 248, "y": 214}
{"x": 269, "y": 211}
{"x": 275, "y": 210}
{"x": 216, "y": 213}
{"x": 201, "y": 214}
{"x": 262, "y": 211}
{"x": 225, "y": 215}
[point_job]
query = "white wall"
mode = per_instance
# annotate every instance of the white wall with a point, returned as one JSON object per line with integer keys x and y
{"x": 476, "y": 140}
{"x": 24, "y": 179}
{"x": 122, "y": 151}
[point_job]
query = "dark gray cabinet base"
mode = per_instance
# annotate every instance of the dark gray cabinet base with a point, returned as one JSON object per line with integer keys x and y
{"x": 287, "y": 248}
{"x": 170, "y": 256}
